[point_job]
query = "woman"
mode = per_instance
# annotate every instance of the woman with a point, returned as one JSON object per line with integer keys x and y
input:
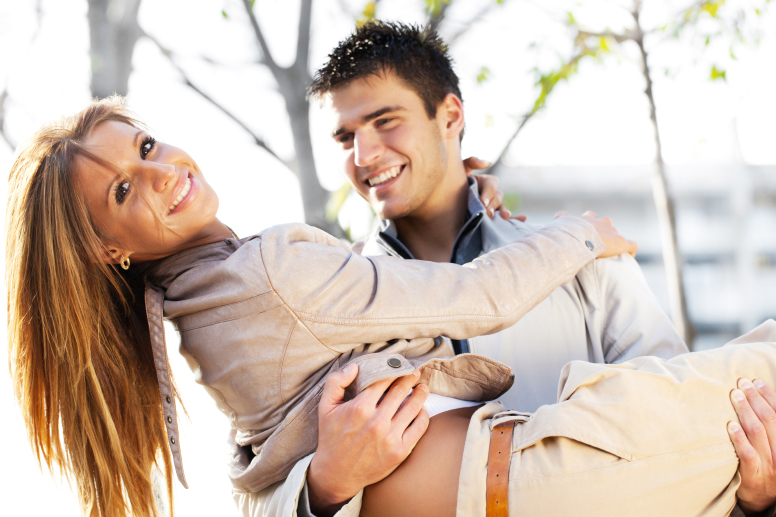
{"x": 99, "y": 213}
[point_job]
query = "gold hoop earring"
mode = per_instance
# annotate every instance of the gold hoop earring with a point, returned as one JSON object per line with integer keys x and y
{"x": 124, "y": 262}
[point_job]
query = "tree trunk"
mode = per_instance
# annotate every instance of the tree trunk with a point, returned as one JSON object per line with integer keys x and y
{"x": 113, "y": 32}
{"x": 664, "y": 205}
{"x": 314, "y": 196}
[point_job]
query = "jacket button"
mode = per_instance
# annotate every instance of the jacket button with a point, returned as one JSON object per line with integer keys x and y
{"x": 172, "y": 440}
{"x": 169, "y": 419}
{"x": 394, "y": 363}
{"x": 589, "y": 245}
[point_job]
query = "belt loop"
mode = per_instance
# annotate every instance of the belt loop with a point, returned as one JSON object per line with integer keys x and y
{"x": 499, "y": 457}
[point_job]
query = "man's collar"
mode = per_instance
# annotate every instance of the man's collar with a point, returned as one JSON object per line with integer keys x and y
{"x": 388, "y": 237}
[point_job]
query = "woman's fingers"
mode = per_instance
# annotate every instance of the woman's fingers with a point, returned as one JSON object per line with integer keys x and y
{"x": 561, "y": 213}
{"x": 473, "y": 163}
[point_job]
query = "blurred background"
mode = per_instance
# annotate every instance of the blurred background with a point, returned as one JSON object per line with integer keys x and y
{"x": 658, "y": 113}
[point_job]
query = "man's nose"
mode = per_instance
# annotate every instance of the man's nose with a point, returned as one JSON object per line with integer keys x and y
{"x": 368, "y": 148}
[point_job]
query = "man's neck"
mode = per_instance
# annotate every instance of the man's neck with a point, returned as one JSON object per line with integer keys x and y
{"x": 430, "y": 233}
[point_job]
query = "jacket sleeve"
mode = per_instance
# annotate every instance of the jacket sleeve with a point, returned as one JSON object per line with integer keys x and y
{"x": 346, "y": 299}
{"x": 288, "y": 498}
{"x": 634, "y": 324}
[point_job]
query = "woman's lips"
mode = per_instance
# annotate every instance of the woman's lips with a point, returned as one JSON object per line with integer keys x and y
{"x": 188, "y": 197}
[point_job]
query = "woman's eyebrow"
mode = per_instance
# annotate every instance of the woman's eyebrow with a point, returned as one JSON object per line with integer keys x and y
{"x": 137, "y": 136}
{"x": 110, "y": 186}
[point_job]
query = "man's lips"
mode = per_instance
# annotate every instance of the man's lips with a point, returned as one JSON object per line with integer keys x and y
{"x": 385, "y": 177}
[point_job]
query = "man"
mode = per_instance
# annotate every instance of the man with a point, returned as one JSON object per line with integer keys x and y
{"x": 399, "y": 120}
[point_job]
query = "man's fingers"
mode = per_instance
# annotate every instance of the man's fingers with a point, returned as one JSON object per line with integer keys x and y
{"x": 396, "y": 394}
{"x": 334, "y": 387}
{"x": 754, "y": 428}
{"x": 590, "y": 213}
{"x": 416, "y": 430}
{"x": 762, "y": 409}
{"x": 411, "y": 409}
{"x": 766, "y": 391}
{"x": 504, "y": 213}
{"x": 521, "y": 217}
{"x": 561, "y": 213}
{"x": 744, "y": 449}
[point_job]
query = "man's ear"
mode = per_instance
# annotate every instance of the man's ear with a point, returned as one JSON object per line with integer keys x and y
{"x": 451, "y": 113}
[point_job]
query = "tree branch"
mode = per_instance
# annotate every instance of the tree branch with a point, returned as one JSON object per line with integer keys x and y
{"x": 266, "y": 57}
{"x": 256, "y": 139}
{"x": 434, "y": 19}
{"x": 501, "y": 156}
{"x": 468, "y": 25}
{"x": 303, "y": 38}
{"x": 3, "y": 98}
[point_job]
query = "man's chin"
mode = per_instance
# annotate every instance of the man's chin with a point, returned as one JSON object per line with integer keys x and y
{"x": 388, "y": 211}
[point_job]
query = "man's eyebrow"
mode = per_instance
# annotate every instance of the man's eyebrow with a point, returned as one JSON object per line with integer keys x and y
{"x": 371, "y": 116}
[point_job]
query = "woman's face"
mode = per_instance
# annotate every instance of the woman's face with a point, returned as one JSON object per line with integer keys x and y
{"x": 158, "y": 205}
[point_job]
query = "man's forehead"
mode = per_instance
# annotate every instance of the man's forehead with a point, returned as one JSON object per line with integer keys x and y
{"x": 355, "y": 102}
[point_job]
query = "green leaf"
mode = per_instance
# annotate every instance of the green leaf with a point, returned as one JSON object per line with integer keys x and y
{"x": 717, "y": 73}
{"x": 712, "y": 7}
{"x": 708, "y": 40}
{"x": 484, "y": 75}
{"x": 370, "y": 9}
{"x": 223, "y": 13}
{"x": 252, "y": 2}
{"x": 336, "y": 200}
{"x": 570, "y": 20}
{"x": 732, "y": 53}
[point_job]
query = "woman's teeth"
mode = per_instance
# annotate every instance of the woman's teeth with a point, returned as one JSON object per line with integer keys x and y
{"x": 382, "y": 178}
{"x": 182, "y": 195}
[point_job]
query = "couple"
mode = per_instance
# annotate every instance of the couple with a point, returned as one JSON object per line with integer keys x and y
{"x": 283, "y": 326}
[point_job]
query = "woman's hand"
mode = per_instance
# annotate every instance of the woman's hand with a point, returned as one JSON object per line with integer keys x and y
{"x": 490, "y": 195}
{"x": 615, "y": 243}
{"x": 755, "y": 443}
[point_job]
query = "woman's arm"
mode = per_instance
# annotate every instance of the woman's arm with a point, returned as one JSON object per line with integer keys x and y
{"x": 346, "y": 299}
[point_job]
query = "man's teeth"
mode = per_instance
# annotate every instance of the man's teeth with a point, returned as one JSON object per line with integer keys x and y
{"x": 180, "y": 197}
{"x": 385, "y": 176}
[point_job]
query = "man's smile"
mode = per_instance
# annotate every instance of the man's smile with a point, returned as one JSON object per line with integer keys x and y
{"x": 385, "y": 176}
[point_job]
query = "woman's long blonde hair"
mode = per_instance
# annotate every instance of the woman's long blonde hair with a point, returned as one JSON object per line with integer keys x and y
{"x": 79, "y": 349}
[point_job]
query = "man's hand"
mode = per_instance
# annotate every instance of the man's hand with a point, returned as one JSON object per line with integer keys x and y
{"x": 615, "y": 243}
{"x": 362, "y": 441}
{"x": 755, "y": 443}
{"x": 490, "y": 195}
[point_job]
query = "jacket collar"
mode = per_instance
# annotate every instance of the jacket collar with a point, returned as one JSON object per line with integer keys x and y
{"x": 385, "y": 238}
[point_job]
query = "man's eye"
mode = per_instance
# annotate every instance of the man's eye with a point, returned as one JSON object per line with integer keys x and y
{"x": 383, "y": 121}
{"x": 345, "y": 139}
{"x": 146, "y": 146}
{"x": 121, "y": 192}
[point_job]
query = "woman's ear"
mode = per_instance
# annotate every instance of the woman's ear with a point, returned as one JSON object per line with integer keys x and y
{"x": 113, "y": 254}
{"x": 451, "y": 111}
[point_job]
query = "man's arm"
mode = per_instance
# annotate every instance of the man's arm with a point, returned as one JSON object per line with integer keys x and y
{"x": 360, "y": 442}
{"x": 633, "y": 323}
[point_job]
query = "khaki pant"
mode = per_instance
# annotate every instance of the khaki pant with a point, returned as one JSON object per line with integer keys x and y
{"x": 643, "y": 438}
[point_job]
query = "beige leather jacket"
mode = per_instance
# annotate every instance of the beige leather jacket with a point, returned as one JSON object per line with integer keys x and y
{"x": 264, "y": 319}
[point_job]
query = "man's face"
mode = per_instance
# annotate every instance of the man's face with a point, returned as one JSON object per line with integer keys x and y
{"x": 395, "y": 156}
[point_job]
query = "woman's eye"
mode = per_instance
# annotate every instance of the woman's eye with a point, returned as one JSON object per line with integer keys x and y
{"x": 146, "y": 146}
{"x": 121, "y": 192}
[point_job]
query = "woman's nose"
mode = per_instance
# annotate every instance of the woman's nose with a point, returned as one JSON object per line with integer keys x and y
{"x": 163, "y": 176}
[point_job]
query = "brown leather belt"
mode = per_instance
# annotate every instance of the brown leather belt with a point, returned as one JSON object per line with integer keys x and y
{"x": 499, "y": 456}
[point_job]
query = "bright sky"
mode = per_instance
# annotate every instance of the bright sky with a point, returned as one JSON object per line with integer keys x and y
{"x": 600, "y": 117}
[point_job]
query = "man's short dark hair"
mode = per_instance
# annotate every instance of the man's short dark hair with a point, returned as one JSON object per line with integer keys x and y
{"x": 418, "y": 56}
